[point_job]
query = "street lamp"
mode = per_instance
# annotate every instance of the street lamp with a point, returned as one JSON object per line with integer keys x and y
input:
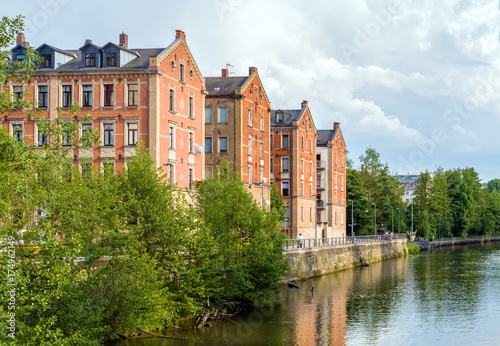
{"x": 399, "y": 222}
{"x": 352, "y": 219}
{"x": 392, "y": 210}
{"x": 411, "y": 235}
{"x": 375, "y": 217}
{"x": 261, "y": 183}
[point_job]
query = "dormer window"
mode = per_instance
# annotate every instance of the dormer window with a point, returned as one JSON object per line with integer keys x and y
{"x": 279, "y": 117}
{"x": 20, "y": 57}
{"x": 90, "y": 60}
{"x": 111, "y": 59}
{"x": 46, "y": 61}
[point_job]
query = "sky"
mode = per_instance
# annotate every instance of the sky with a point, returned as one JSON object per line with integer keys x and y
{"x": 417, "y": 80}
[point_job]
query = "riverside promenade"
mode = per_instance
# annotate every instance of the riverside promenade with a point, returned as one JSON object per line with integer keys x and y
{"x": 427, "y": 244}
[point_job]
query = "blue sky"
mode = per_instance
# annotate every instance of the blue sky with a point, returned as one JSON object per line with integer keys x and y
{"x": 416, "y": 80}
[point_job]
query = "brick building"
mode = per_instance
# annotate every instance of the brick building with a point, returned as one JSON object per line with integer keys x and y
{"x": 293, "y": 163}
{"x": 331, "y": 182}
{"x": 154, "y": 96}
{"x": 237, "y": 128}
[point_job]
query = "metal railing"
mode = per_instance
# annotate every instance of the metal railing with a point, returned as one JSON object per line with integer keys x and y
{"x": 298, "y": 244}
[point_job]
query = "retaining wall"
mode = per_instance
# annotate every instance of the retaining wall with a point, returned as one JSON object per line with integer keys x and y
{"x": 305, "y": 263}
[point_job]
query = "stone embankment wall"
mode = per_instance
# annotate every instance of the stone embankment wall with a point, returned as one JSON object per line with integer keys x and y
{"x": 305, "y": 263}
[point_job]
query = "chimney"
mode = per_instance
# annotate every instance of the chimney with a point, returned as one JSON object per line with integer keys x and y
{"x": 304, "y": 103}
{"x": 225, "y": 73}
{"x": 88, "y": 41}
{"x": 20, "y": 38}
{"x": 335, "y": 125}
{"x": 181, "y": 34}
{"x": 124, "y": 40}
{"x": 252, "y": 70}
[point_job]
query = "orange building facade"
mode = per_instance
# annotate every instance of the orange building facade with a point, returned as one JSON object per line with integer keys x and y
{"x": 237, "y": 129}
{"x": 154, "y": 96}
{"x": 293, "y": 163}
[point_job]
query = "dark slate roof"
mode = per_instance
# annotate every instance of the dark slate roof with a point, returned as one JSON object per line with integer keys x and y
{"x": 139, "y": 63}
{"x": 326, "y": 135}
{"x": 218, "y": 86}
{"x": 289, "y": 116}
{"x": 65, "y": 52}
{"x": 119, "y": 47}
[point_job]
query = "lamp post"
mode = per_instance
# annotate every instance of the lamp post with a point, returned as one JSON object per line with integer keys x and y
{"x": 352, "y": 219}
{"x": 411, "y": 234}
{"x": 399, "y": 222}
{"x": 392, "y": 210}
{"x": 261, "y": 183}
{"x": 375, "y": 217}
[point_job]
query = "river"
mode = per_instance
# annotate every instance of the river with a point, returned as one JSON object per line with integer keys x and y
{"x": 447, "y": 296}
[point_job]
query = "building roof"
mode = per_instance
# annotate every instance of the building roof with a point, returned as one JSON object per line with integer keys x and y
{"x": 139, "y": 63}
{"x": 326, "y": 135}
{"x": 289, "y": 116}
{"x": 223, "y": 86}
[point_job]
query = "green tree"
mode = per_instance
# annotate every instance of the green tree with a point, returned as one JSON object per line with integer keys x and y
{"x": 248, "y": 259}
{"x": 356, "y": 191}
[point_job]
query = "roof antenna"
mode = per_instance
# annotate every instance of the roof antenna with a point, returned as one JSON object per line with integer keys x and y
{"x": 228, "y": 65}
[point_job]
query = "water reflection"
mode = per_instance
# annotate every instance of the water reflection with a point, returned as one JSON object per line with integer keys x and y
{"x": 448, "y": 296}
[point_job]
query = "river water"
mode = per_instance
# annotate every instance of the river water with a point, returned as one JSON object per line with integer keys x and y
{"x": 447, "y": 296}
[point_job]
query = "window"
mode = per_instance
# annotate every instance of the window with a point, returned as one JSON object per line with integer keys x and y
{"x": 108, "y": 167}
{"x": 87, "y": 96}
{"x": 20, "y": 57}
{"x": 272, "y": 164}
{"x": 223, "y": 144}
{"x": 285, "y": 189}
{"x": 109, "y": 134}
{"x": 208, "y": 144}
{"x": 310, "y": 214}
{"x": 190, "y": 178}
{"x": 191, "y": 107}
{"x": 85, "y": 128}
{"x": 18, "y": 92}
{"x": 302, "y": 213}
{"x": 310, "y": 169}
{"x": 90, "y": 60}
{"x": 302, "y": 188}
{"x": 302, "y": 142}
{"x": 108, "y": 95}
{"x": 17, "y": 132}
{"x": 171, "y": 100}
{"x": 110, "y": 59}
{"x": 279, "y": 117}
{"x": 310, "y": 146}
{"x": 284, "y": 141}
{"x": 285, "y": 164}
{"x": 132, "y": 131}
{"x": 250, "y": 145}
{"x": 272, "y": 142}
{"x": 262, "y": 122}
{"x": 181, "y": 72}
{"x": 132, "y": 94}
{"x": 43, "y": 91}
{"x": 46, "y": 61}
{"x": 302, "y": 166}
{"x": 66, "y": 96}
{"x": 67, "y": 139}
{"x": 250, "y": 174}
{"x": 172, "y": 137}
{"x": 86, "y": 171}
{"x": 250, "y": 117}
{"x": 42, "y": 138}
{"x": 223, "y": 115}
{"x": 208, "y": 115}
{"x": 191, "y": 142}
{"x": 261, "y": 148}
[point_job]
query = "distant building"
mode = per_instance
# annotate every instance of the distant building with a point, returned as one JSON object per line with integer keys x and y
{"x": 410, "y": 183}
{"x": 293, "y": 162}
{"x": 237, "y": 129}
{"x": 331, "y": 182}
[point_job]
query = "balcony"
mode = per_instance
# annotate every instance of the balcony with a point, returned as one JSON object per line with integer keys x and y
{"x": 320, "y": 165}
{"x": 320, "y": 204}
{"x": 320, "y": 186}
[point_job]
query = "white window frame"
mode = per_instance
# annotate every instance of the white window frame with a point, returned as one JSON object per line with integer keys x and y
{"x": 128, "y": 122}
{"x": 211, "y": 115}
{"x": 11, "y": 128}
{"x": 218, "y": 115}
{"x": 101, "y": 126}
